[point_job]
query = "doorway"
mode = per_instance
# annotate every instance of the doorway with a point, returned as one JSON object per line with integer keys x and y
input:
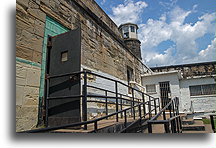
{"x": 165, "y": 93}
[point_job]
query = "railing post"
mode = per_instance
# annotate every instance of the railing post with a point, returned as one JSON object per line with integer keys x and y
{"x": 170, "y": 110}
{"x": 121, "y": 106}
{"x": 95, "y": 126}
{"x": 155, "y": 106}
{"x": 149, "y": 127}
{"x": 144, "y": 108}
{"x": 84, "y": 100}
{"x": 177, "y": 124}
{"x": 173, "y": 127}
{"x": 149, "y": 107}
{"x": 106, "y": 104}
{"x": 134, "y": 114}
{"x": 167, "y": 129}
{"x": 164, "y": 118}
{"x": 159, "y": 103}
{"x": 116, "y": 91}
{"x": 125, "y": 117}
{"x": 212, "y": 123}
{"x": 140, "y": 113}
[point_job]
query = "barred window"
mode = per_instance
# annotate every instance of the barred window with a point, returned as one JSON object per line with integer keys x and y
{"x": 151, "y": 88}
{"x": 197, "y": 90}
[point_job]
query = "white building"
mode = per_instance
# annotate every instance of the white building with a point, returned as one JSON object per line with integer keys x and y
{"x": 194, "y": 84}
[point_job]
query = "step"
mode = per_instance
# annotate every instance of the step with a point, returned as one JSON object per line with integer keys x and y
{"x": 197, "y": 126}
{"x": 188, "y": 121}
{"x": 195, "y": 132}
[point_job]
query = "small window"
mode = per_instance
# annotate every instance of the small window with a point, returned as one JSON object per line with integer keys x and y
{"x": 197, "y": 90}
{"x": 64, "y": 56}
{"x": 151, "y": 88}
{"x": 132, "y": 28}
{"x": 125, "y": 31}
{"x": 126, "y": 35}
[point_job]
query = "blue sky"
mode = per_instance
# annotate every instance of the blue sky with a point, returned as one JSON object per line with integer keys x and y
{"x": 171, "y": 31}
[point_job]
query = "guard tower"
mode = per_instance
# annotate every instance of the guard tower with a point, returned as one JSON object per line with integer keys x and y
{"x": 129, "y": 34}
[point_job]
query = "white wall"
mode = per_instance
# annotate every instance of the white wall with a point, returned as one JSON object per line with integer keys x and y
{"x": 155, "y": 79}
{"x": 199, "y": 103}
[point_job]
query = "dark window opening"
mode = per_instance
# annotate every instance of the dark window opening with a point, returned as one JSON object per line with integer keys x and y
{"x": 132, "y": 28}
{"x": 197, "y": 90}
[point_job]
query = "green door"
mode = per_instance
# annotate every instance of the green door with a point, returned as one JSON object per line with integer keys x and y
{"x": 52, "y": 28}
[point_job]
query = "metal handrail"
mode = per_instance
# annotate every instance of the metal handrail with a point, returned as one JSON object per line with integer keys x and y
{"x": 82, "y": 123}
{"x": 85, "y": 95}
{"x": 174, "y": 120}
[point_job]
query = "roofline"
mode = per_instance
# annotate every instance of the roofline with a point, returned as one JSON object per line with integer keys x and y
{"x": 128, "y": 24}
{"x": 160, "y": 73}
{"x": 184, "y": 65}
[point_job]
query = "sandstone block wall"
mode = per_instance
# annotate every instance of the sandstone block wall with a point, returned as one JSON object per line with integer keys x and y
{"x": 27, "y": 94}
{"x": 102, "y": 47}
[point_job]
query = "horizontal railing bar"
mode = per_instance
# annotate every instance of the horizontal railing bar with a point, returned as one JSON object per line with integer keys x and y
{"x": 67, "y": 74}
{"x": 112, "y": 92}
{"x": 111, "y": 97}
{"x": 81, "y": 72}
{"x": 64, "y": 97}
{"x": 158, "y": 121}
{"x": 106, "y": 102}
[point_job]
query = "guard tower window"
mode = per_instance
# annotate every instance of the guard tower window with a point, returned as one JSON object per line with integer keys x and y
{"x": 132, "y": 28}
{"x": 126, "y": 32}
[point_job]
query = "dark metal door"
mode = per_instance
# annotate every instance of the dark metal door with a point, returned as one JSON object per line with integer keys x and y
{"x": 64, "y": 57}
{"x": 165, "y": 93}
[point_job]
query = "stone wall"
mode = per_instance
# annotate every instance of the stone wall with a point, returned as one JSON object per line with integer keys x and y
{"x": 27, "y": 94}
{"x": 102, "y": 47}
{"x": 190, "y": 70}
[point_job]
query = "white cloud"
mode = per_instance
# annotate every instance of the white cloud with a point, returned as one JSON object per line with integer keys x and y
{"x": 128, "y": 12}
{"x": 170, "y": 26}
{"x": 209, "y": 53}
{"x": 183, "y": 35}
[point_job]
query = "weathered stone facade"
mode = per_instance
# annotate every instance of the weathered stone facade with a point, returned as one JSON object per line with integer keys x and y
{"x": 190, "y": 70}
{"x": 102, "y": 47}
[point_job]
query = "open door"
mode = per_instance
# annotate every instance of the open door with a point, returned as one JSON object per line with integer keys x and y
{"x": 63, "y": 57}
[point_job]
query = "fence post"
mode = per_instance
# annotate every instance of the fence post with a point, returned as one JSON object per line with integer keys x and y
{"x": 116, "y": 91}
{"x": 84, "y": 100}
